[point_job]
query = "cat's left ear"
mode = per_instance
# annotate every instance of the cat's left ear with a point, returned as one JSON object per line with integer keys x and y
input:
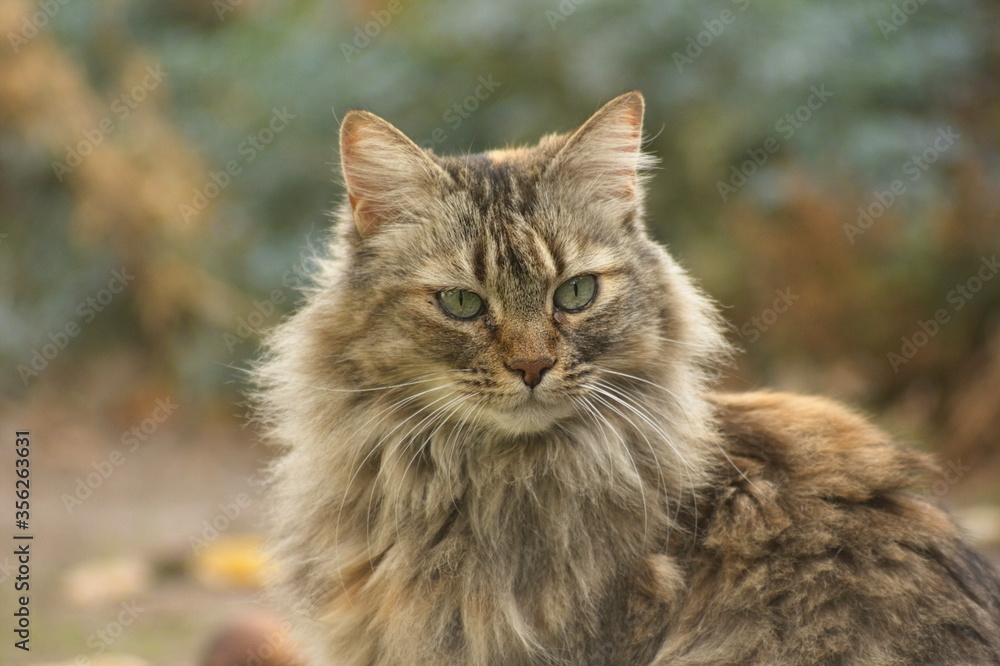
{"x": 604, "y": 157}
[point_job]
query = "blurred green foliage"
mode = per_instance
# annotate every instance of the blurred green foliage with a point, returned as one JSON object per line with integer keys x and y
{"x": 721, "y": 79}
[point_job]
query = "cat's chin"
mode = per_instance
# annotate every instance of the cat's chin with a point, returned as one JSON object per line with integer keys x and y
{"x": 529, "y": 418}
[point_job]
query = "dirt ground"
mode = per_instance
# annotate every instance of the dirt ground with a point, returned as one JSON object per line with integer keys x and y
{"x": 143, "y": 545}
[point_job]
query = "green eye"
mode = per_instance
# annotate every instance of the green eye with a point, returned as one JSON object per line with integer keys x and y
{"x": 576, "y": 293}
{"x": 461, "y": 304}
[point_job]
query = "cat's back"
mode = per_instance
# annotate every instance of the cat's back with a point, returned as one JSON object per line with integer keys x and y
{"x": 814, "y": 547}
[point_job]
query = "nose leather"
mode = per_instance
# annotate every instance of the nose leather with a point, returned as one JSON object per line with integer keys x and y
{"x": 532, "y": 371}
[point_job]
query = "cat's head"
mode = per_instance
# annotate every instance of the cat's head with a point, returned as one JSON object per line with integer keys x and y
{"x": 515, "y": 289}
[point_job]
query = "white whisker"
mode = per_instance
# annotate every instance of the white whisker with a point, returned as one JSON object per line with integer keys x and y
{"x": 674, "y": 398}
{"x": 642, "y": 492}
{"x": 442, "y": 414}
{"x": 382, "y": 415}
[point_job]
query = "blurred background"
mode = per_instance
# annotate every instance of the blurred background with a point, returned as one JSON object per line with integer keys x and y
{"x": 830, "y": 172}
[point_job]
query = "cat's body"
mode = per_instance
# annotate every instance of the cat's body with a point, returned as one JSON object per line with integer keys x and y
{"x": 502, "y": 446}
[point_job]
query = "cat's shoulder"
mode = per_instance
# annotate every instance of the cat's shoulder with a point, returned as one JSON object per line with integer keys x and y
{"x": 814, "y": 446}
{"x": 802, "y": 474}
{"x": 815, "y": 543}
{"x": 816, "y": 527}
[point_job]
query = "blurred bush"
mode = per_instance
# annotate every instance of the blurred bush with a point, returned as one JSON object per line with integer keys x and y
{"x": 782, "y": 128}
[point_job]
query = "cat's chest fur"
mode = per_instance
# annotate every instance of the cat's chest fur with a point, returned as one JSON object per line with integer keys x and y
{"x": 525, "y": 565}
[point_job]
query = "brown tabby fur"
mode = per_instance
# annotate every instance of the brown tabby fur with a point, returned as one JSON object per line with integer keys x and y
{"x": 432, "y": 508}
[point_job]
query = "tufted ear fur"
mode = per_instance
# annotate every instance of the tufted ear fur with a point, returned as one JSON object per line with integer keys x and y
{"x": 603, "y": 158}
{"x": 386, "y": 174}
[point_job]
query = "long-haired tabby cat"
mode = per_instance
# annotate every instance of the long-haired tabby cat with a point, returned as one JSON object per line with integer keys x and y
{"x": 501, "y": 445}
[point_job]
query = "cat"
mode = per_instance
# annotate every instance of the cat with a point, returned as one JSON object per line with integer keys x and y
{"x": 500, "y": 443}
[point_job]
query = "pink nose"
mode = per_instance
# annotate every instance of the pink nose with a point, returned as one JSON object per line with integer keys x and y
{"x": 532, "y": 371}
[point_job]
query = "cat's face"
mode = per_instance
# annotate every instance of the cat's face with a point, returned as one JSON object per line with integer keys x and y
{"x": 514, "y": 288}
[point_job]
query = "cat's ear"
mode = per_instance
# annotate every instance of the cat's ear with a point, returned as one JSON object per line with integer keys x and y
{"x": 604, "y": 157}
{"x": 385, "y": 173}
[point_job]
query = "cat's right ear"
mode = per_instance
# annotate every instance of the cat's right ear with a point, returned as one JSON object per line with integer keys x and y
{"x": 385, "y": 173}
